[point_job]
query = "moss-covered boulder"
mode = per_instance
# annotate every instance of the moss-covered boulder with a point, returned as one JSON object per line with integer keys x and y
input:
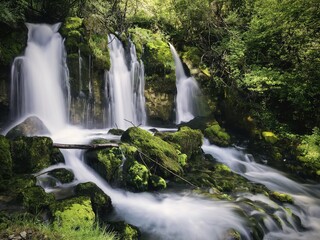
{"x": 106, "y": 161}
{"x": 116, "y": 131}
{"x": 73, "y": 214}
{"x": 156, "y": 153}
{"x": 32, "y": 154}
{"x": 62, "y": 174}
{"x": 157, "y": 183}
{"x": 101, "y": 202}
{"x": 35, "y": 199}
{"x": 5, "y": 158}
{"x": 217, "y": 135}
{"x": 137, "y": 176}
{"x": 32, "y": 126}
{"x": 188, "y": 140}
{"x": 125, "y": 231}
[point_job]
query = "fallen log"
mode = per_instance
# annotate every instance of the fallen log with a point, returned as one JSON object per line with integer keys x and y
{"x": 84, "y": 146}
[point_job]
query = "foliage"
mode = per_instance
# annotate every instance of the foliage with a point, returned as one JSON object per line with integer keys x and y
{"x": 5, "y": 158}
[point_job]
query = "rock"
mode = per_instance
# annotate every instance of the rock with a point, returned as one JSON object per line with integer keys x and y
{"x": 101, "y": 202}
{"x": 106, "y": 161}
{"x": 62, "y": 174}
{"x": 116, "y": 131}
{"x": 270, "y": 137}
{"x": 32, "y": 126}
{"x": 32, "y": 154}
{"x": 281, "y": 197}
{"x": 217, "y": 135}
{"x": 73, "y": 214}
{"x": 137, "y": 176}
{"x": 154, "y": 150}
{"x": 23, "y": 234}
{"x": 125, "y": 230}
{"x": 157, "y": 183}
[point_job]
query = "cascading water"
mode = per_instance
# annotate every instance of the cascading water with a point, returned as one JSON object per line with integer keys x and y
{"x": 124, "y": 87}
{"x": 188, "y": 92}
{"x": 39, "y": 82}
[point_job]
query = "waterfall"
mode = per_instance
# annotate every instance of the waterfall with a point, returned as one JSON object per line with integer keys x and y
{"x": 188, "y": 92}
{"x": 124, "y": 87}
{"x": 39, "y": 79}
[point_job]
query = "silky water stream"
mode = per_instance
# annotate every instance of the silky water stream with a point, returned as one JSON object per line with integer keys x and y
{"x": 171, "y": 214}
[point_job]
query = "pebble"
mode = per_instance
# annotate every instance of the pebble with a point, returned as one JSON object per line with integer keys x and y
{"x": 23, "y": 234}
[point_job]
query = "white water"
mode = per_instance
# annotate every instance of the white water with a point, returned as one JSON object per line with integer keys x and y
{"x": 188, "y": 92}
{"x": 124, "y": 87}
{"x": 39, "y": 78}
{"x": 306, "y": 197}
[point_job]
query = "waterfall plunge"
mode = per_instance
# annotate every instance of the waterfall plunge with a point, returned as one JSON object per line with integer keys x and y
{"x": 188, "y": 92}
{"x": 39, "y": 78}
{"x": 124, "y": 87}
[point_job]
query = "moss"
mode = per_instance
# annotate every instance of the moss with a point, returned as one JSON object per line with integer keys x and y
{"x": 270, "y": 137}
{"x": 106, "y": 162}
{"x": 222, "y": 168}
{"x": 125, "y": 230}
{"x": 5, "y": 159}
{"x": 98, "y": 45}
{"x": 189, "y": 140}
{"x": 281, "y": 197}
{"x": 154, "y": 148}
{"x": 217, "y": 135}
{"x": 101, "y": 203}
{"x": 63, "y": 175}
{"x": 138, "y": 176}
{"x": 35, "y": 199}
{"x": 157, "y": 183}
{"x": 73, "y": 214}
{"x": 116, "y": 131}
{"x": 31, "y": 154}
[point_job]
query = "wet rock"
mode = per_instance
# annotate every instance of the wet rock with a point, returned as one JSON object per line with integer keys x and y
{"x": 32, "y": 126}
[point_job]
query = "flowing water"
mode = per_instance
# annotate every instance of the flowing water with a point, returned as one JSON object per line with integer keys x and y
{"x": 39, "y": 83}
{"x": 172, "y": 214}
{"x": 124, "y": 87}
{"x": 188, "y": 92}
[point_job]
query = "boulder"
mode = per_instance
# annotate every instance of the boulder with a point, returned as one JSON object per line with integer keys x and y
{"x": 32, "y": 126}
{"x": 217, "y": 135}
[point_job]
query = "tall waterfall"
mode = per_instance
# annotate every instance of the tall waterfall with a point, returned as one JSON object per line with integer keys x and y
{"x": 39, "y": 79}
{"x": 188, "y": 92}
{"x": 124, "y": 87}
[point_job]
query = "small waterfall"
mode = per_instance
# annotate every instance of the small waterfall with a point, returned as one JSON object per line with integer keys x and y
{"x": 188, "y": 92}
{"x": 39, "y": 79}
{"x": 124, "y": 87}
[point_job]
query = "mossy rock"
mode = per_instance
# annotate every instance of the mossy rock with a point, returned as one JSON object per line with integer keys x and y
{"x": 106, "y": 162}
{"x": 269, "y": 137}
{"x": 5, "y": 159}
{"x": 32, "y": 126}
{"x": 73, "y": 214}
{"x": 281, "y": 197}
{"x": 189, "y": 140}
{"x": 101, "y": 202}
{"x": 62, "y": 174}
{"x": 32, "y": 154}
{"x": 116, "y": 131}
{"x": 157, "y": 183}
{"x": 154, "y": 149}
{"x": 217, "y": 135}
{"x": 137, "y": 176}
{"x": 98, "y": 45}
{"x": 125, "y": 231}
{"x": 35, "y": 199}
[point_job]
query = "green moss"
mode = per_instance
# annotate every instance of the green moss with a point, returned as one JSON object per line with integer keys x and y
{"x": 217, "y": 135}
{"x": 5, "y": 159}
{"x": 31, "y": 154}
{"x": 138, "y": 176}
{"x": 35, "y": 199}
{"x": 73, "y": 214}
{"x": 63, "y": 175}
{"x": 222, "y": 168}
{"x": 98, "y": 45}
{"x": 106, "y": 162}
{"x": 157, "y": 183}
{"x": 125, "y": 230}
{"x": 189, "y": 140}
{"x": 270, "y": 137}
{"x": 154, "y": 148}
{"x": 101, "y": 203}
{"x": 281, "y": 197}
{"x": 116, "y": 131}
